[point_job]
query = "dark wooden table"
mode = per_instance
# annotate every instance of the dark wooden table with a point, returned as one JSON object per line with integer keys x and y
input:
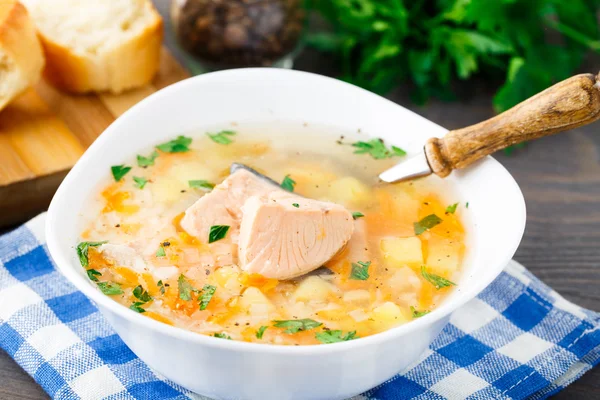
{"x": 560, "y": 178}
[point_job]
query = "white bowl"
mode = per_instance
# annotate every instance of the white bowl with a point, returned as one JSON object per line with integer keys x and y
{"x": 227, "y": 369}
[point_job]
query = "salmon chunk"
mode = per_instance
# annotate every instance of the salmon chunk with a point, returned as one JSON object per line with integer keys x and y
{"x": 283, "y": 236}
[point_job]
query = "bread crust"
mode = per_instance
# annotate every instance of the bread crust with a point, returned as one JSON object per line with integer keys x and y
{"x": 130, "y": 65}
{"x": 19, "y": 42}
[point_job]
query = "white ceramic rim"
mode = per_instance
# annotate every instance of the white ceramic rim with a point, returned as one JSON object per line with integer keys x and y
{"x": 62, "y": 260}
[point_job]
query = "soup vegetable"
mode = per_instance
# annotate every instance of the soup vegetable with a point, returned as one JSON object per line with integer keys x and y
{"x": 150, "y": 242}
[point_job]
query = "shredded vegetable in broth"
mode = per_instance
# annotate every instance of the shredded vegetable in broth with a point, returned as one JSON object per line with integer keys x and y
{"x": 402, "y": 260}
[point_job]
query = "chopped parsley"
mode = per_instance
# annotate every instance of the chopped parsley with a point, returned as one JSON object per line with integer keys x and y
{"x": 436, "y": 280}
{"x": 146, "y": 161}
{"x": 161, "y": 286}
{"x": 161, "y": 252}
{"x": 467, "y": 205}
{"x": 137, "y": 307}
{"x": 207, "y": 293}
{"x": 377, "y": 149}
{"x": 82, "y": 251}
{"x": 110, "y": 288}
{"x": 360, "y": 270}
{"x": 217, "y": 232}
{"x": 179, "y": 145}
{"x": 93, "y": 274}
{"x": 119, "y": 171}
{"x": 222, "y": 336}
{"x": 296, "y": 205}
{"x": 222, "y": 137}
{"x": 334, "y": 336}
{"x": 260, "y": 332}
{"x": 296, "y": 325}
{"x": 288, "y": 183}
{"x": 185, "y": 288}
{"x": 426, "y": 223}
{"x": 416, "y": 313}
{"x": 201, "y": 184}
{"x": 451, "y": 208}
{"x": 141, "y": 294}
{"x": 357, "y": 215}
{"x": 140, "y": 182}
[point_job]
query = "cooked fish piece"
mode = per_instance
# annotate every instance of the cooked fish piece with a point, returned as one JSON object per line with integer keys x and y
{"x": 283, "y": 236}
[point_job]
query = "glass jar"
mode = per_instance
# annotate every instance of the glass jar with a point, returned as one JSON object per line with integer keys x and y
{"x": 239, "y": 33}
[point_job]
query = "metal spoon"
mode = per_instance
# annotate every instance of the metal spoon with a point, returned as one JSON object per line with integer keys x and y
{"x": 567, "y": 105}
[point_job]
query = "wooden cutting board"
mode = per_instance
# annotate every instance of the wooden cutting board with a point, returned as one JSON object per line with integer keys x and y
{"x": 45, "y": 131}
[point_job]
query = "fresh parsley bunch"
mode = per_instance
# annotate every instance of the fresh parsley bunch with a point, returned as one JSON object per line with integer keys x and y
{"x": 527, "y": 44}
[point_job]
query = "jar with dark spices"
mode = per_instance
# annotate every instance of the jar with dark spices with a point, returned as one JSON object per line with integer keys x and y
{"x": 239, "y": 33}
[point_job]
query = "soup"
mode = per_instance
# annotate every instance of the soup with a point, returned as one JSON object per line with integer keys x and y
{"x": 144, "y": 244}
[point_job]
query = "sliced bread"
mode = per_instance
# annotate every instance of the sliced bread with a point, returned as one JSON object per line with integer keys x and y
{"x": 21, "y": 55}
{"x": 99, "y": 45}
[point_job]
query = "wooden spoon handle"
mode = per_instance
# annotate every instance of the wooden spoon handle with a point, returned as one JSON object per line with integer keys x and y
{"x": 568, "y": 104}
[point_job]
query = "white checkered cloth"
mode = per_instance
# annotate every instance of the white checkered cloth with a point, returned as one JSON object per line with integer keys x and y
{"x": 518, "y": 339}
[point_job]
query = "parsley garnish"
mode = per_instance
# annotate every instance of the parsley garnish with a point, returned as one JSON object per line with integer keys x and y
{"x": 296, "y": 205}
{"x": 141, "y": 294}
{"x": 185, "y": 288}
{"x": 467, "y": 205}
{"x": 222, "y": 137}
{"x": 222, "y": 336}
{"x": 161, "y": 252}
{"x": 119, "y": 171}
{"x": 360, "y": 270}
{"x": 296, "y": 325}
{"x": 217, "y": 232}
{"x": 179, "y": 145}
{"x": 260, "y": 332}
{"x": 416, "y": 313}
{"x": 288, "y": 183}
{"x": 82, "y": 251}
{"x": 451, "y": 208}
{"x": 161, "y": 286}
{"x": 377, "y": 149}
{"x": 93, "y": 274}
{"x": 207, "y": 293}
{"x": 110, "y": 288}
{"x": 334, "y": 336}
{"x": 146, "y": 161}
{"x": 137, "y": 307}
{"x": 357, "y": 215}
{"x": 426, "y": 223}
{"x": 436, "y": 280}
{"x": 201, "y": 184}
{"x": 140, "y": 182}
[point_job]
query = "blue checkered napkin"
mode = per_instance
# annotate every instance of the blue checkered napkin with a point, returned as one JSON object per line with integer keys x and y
{"x": 519, "y": 339}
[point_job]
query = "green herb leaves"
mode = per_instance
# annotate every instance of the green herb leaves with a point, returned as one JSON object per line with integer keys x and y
{"x": 296, "y": 205}
{"x": 179, "y": 145}
{"x": 222, "y": 336}
{"x": 437, "y": 281}
{"x": 356, "y": 215}
{"x": 161, "y": 252}
{"x": 137, "y": 307}
{"x": 416, "y": 313}
{"x": 207, "y": 293}
{"x": 161, "y": 286}
{"x": 296, "y": 325}
{"x": 146, "y": 161}
{"x": 83, "y": 249}
{"x": 185, "y": 288}
{"x": 426, "y": 223}
{"x": 451, "y": 209}
{"x": 360, "y": 270}
{"x": 288, "y": 183}
{"x": 260, "y": 332}
{"x": 140, "y": 182}
{"x": 110, "y": 288}
{"x": 93, "y": 275}
{"x": 141, "y": 294}
{"x": 377, "y": 149}
{"x": 201, "y": 184}
{"x": 217, "y": 232}
{"x": 335, "y": 336}
{"x": 119, "y": 171}
{"x": 223, "y": 137}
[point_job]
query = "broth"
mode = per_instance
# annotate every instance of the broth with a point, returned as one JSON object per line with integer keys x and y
{"x": 413, "y": 241}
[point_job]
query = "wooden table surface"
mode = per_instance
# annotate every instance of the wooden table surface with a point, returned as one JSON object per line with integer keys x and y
{"x": 560, "y": 178}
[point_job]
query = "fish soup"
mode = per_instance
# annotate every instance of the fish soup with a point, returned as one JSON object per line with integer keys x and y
{"x": 321, "y": 252}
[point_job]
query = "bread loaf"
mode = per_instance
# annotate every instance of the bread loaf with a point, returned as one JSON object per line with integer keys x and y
{"x": 98, "y": 45}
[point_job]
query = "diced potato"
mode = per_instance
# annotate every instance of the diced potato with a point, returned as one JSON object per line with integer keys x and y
{"x": 349, "y": 190}
{"x": 357, "y": 296}
{"x": 402, "y": 251}
{"x": 387, "y": 315}
{"x": 313, "y": 288}
{"x": 254, "y": 297}
{"x": 407, "y": 205}
{"x": 166, "y": 189}
{"x": 444, "y": 255}
{"x": 227, "y": 278}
